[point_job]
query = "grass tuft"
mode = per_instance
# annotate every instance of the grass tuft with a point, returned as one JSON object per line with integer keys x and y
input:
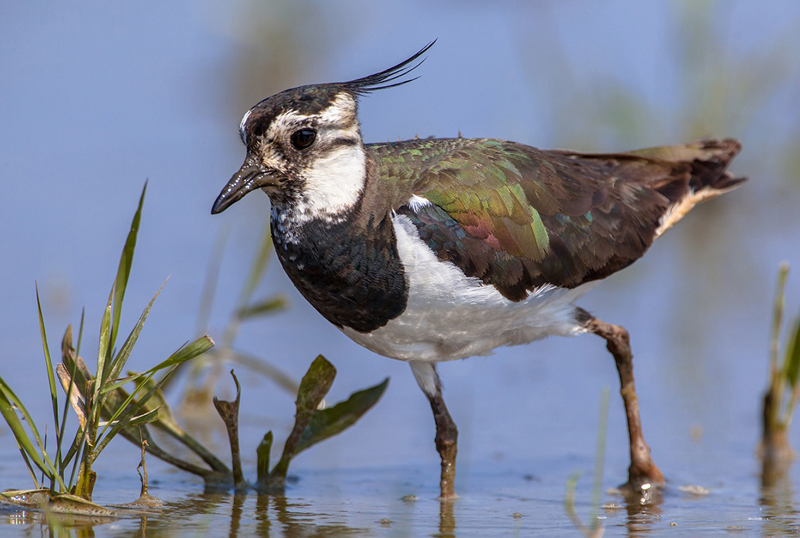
{"x": 783, "y": 392}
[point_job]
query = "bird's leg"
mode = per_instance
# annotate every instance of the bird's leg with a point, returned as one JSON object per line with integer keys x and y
{"x": 446, "y": 444}
{"x": 643, "y": 470}
{"x": 446, "y": 430}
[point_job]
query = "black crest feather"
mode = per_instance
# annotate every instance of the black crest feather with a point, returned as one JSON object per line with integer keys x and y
{"x": 384, "y": 79}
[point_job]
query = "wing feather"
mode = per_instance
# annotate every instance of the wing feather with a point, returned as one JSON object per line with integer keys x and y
{"x": 518, "y": 217}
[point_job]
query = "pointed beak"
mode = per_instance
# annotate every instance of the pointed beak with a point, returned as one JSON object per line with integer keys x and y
{"x": 251, "y": 176}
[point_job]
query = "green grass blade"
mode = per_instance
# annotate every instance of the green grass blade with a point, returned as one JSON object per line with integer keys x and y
{"x": 145, "y": 418}
{"x": 125, "y": 352}
{"x": 124, "y": 270}
{"x": 777, "y": 316}
{"x": 102, "y": 355}
{"x": 74, "y": 447}
{"x": 124, "y": 412}
{"x": 129, "y": 409}
{"x": 792, "y": 359}
{"x": 72, "y": 392}
{"x": 81, "y": 447}
{"x": 7, "y": 402}
{"x": 31, "y": 472}
{"x": 51, "y": 377}
{"x": 24, "y": 444}
{"x": 166, "y": 419}
{"x": 261, "y": 308}
{"x": 185, "y": 353}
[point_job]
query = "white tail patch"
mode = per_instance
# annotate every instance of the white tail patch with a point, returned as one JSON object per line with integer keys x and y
{"x": 677, "y": 211}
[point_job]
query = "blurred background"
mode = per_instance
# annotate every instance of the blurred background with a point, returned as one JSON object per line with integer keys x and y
{"x": 96, "y": 98}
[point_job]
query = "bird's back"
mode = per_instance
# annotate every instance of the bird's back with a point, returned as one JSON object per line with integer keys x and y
{"x": 518, "y": 218}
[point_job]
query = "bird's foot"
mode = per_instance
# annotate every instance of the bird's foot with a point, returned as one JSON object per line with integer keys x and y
{"x": 645, "y": 483}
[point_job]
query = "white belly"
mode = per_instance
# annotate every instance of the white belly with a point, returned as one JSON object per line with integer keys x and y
{"x": 451, "y": 316}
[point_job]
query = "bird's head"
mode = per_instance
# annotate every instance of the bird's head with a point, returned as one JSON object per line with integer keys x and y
{"x": 304, "y": 144}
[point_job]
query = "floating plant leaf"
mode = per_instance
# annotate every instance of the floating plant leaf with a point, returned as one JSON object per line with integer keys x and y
{"x": 72, "y": 504}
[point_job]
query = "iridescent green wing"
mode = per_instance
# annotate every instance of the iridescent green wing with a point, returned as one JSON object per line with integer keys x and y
{"x": 518, "y": 217}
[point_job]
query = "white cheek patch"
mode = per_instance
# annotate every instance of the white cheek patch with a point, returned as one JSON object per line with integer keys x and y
{"x": 335, "y": 181}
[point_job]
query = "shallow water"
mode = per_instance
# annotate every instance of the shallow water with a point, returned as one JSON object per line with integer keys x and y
{"x": 497, "y": 499}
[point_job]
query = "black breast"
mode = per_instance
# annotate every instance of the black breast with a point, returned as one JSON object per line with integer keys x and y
{"x": 353, "y": 277}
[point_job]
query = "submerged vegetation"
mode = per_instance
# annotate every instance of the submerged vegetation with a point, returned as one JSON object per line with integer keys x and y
{"x": 104, "y": 409}
{"x": 595, "y": 528}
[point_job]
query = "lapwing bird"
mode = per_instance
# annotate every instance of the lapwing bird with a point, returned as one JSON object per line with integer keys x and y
{"x": 431, "y": 250}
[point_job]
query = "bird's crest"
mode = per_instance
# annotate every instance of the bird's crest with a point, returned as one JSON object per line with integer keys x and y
{"x": 385, "y": 79}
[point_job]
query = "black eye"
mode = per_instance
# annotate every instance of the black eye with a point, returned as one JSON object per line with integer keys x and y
{"x": 303, "y": 138}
